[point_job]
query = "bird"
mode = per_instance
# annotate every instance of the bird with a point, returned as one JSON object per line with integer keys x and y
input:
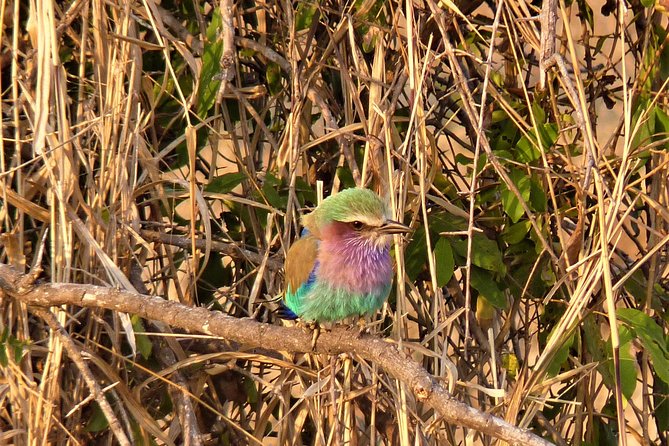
{"x": 340, "y": 267}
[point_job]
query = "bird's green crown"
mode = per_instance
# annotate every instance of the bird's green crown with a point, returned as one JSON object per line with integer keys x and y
{"x": 355, "y": 204}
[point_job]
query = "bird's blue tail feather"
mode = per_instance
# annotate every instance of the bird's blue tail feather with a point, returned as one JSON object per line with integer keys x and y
{"x": 286, "y": 313}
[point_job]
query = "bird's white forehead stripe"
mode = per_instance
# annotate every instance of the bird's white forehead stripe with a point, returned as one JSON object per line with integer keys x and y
{"x": 366, "y": 219}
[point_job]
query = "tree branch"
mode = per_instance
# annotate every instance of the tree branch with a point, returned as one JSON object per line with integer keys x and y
{"x": 254, "y": 334}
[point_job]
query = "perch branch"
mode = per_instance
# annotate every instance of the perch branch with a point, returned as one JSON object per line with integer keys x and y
{"x": 254, "y": 334}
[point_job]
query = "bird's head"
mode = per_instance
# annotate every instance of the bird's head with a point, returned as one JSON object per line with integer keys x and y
{"x": 354, "y": 214}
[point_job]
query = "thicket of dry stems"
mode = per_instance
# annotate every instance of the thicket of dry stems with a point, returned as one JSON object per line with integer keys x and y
{"x": 170, "y": 148}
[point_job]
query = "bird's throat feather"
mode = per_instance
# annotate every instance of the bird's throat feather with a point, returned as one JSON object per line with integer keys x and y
{"x": 348, "y": 260}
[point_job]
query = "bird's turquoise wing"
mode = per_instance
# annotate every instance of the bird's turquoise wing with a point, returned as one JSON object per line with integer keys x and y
{"x": 300, "y": 266}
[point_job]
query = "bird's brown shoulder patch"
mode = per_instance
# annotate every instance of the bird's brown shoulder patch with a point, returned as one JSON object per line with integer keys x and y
{"x": 300, "y": 261}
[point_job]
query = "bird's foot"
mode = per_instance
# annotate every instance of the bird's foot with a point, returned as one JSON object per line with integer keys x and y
{"x": 306, "y": 326}
{"x": 314, "y": 336}
{"x": 311, "y": 327}
{"x": 363, "y": 328}
{"x": 360, "y": 325}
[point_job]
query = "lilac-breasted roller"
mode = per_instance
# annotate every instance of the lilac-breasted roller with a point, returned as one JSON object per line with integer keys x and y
{"x": 341, "y": 266}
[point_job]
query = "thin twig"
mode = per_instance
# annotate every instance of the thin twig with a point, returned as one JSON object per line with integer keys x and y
{"x": 182, "y": 401}
{"x": 229, "y": 249}
{"x": 228, "y": 55}
{"x": 89, "y": 379}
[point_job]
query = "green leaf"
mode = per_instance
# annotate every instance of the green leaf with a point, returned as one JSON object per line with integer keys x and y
{"x": 548, "y": 275}
{"x": 463, "y": 160}
{"x": 538, "y": 199}
{"x": 651, "y": 336}
{"x": 272, "y": 180}
{"x": 605, "y": 434}
{"x": 508, "y": 132}
{"x": 251, "y": 391}
{"x": 445, "y": 263}
{"x": 247, "y": 53}
{"x": 481, "y": 163}
{"x": 628, "y": 371}
{"x": 273, "y": 197}
{"x": 585, "y": 12}
{"x": 273, "y": 76}
{"x": 661, "y": 402}
{"x": 370, "y": 40}
{"x": 305, "y": 193}
{"x": 549, "y": 134}
{"x": 485, "y": 253}
{"x": 542, "y": 228}
{"x": 10, "y": 345}
{"x": 636, "y": 285}
{"x": 144, "y": 344}
{"x": 561, "y": 354}
{"x": 662, "y": 125}
{"x": 215, "y": 274}
{"x": 661, "y": 297}
{"x": 504, "y": 155}
{"x": 439, "y": 222}
{"x": 600, "y": 43}
{"x": 527, "y": 150}
{"x": 539, "y": 113}
{"x": 367, "y": 14}
{"x": 602, "y": 353}
{"x": 663, "y": 58}
{"x": 346, "y": 177}
{"x": 522, "y": 282}
{"x": 487, "y": 196}
{"x": 483, "y": 282}
{"x": 166, "y": 405}
{"x": 498, "y": 79}
{"x": 415, "y": 256}
{"x": 416, "y": 251}
{"x": 4, "y": 360}
{"x": 97, "y": 422}
{"x": 211, "y": 68}
{"x": 225, "y": 183}
{"x": 304, "y": 16}
{"x": 139, "y": 437}
{"x": 444, "y": 185}
{"x": 510, "y": 202}
{"x": 597, "y": 348}
{"x": 516, "y": 233}
{"x": 511, "y": 364}
{"x": 647, "y": 127}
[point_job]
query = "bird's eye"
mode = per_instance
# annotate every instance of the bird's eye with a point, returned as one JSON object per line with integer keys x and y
{"x": 357, "y": 225}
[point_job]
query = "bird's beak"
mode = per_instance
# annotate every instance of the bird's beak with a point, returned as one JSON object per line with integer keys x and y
{"x": 393, "y": 227}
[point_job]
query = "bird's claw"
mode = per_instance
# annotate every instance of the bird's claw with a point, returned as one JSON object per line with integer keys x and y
{"x": 361, "y": 325}
{"x": 314, "y": 336}
{"x": 306, "y": 326}
{"x": 313, "y": 328}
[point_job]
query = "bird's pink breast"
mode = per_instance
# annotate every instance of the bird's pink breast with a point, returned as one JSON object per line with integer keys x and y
{"x": 349, "y": 261}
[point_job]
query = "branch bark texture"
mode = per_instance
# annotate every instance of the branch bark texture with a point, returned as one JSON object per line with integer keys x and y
{"x": 255, "y": 334}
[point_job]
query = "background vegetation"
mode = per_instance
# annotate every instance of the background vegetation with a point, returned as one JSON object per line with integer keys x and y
{"x": 170, "y": 147}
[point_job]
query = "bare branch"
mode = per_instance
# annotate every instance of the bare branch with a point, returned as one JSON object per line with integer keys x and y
{"x": 251, "y": 333}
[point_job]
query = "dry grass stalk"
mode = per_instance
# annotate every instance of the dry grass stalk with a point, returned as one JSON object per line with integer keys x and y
{"x": 533, "y": 170}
